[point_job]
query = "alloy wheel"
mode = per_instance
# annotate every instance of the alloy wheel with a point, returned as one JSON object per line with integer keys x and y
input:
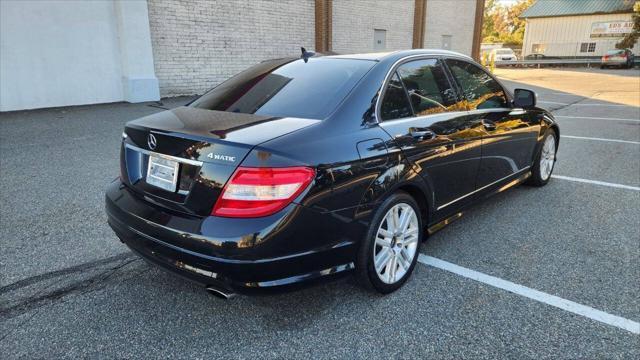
{"x": 396, "y": 243}
{"x": 548, "y": 157}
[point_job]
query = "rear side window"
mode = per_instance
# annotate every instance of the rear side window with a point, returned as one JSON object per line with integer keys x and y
{"x": 296, "y": 88}
{"x": 428, "y": 87}
{"x": 395, "y": 104}
{"x": 480, "y": 90}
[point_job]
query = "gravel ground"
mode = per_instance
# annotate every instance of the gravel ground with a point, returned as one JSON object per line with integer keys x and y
{"x": 69, "y": 288}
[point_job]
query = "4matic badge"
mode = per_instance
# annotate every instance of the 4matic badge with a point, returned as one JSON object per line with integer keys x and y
{"x": 221, "y": 157}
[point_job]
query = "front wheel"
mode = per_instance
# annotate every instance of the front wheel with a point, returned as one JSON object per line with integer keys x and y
{"x": 545, "y": 160}
{"x": 388, "y": 254}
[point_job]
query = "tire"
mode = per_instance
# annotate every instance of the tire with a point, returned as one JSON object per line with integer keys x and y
{"x": 602, "y": 66}
{"x": 396, "y": 249}
{"x": 545, "y": 160}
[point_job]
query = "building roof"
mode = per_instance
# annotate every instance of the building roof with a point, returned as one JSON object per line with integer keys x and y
{"x": 551, "y": 8}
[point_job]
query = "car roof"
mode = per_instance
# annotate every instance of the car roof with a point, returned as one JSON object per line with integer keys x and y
{"x": 391, "y": 56}
{"x": 396, "y": 55}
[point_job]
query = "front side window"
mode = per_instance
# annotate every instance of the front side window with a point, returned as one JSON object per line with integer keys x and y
{"x": 428, "y": 87}
{"x": 480, "y": 90}
{"x": 295, "y": 88}
{"x": 395, "y": 104}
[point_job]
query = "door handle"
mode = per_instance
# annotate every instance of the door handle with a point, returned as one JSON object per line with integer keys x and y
{"x": 422, "y": 133}
{"x": 488, "y": 124}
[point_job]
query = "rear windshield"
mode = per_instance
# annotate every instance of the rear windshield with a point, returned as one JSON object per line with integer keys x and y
{"x": 503, "y": 52}
{"x": 287, "y": 88}
{"x": 615, "y": 52}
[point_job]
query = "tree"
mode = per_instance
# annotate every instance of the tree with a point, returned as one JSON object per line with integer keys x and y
{"x": 503, "y": 23}
{"x": 491, "y": 13}
{"x": 488, "y": 25}
{"x": 631, "y": 38}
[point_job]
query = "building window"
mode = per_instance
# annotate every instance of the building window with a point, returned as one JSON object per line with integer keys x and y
{"x": 538, "y": 48}
{"x": 588, "y": 47}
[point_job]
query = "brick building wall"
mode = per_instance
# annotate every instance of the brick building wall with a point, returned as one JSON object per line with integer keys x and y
{"x": 450, "y": 17}
{"x": 354, "y": 23}
{"x": 199, "y": 43}
{"x": 141, "y": 50}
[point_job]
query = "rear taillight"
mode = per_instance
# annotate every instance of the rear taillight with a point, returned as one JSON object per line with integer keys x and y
{"x": 256, "y": 192}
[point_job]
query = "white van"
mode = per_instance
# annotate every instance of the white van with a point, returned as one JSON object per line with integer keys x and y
{"x": 503, "y": 54}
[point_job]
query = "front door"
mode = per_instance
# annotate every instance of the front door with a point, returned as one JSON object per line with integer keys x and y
{"x": 509, "y": 135}
{"x": 421, "y": 110}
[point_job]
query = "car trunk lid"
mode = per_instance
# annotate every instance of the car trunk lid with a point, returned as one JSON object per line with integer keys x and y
{"x": 180, "y": 159}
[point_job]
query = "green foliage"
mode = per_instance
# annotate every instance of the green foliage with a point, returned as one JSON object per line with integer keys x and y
{"x": 502, "y": 24}
{"x": 631, "y": 38}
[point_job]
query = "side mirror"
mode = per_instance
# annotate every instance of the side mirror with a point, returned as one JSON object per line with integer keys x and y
{"x": 524, "y": 98}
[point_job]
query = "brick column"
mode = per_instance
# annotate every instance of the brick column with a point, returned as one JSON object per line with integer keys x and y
{"x": 477, "y": 30}
{"x": 324, "y": 15}
{"x": 419, "y": 18}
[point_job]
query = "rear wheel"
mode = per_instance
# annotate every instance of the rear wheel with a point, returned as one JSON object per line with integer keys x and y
{"x": 388, "y": 254}
{"x": 545, "y": 160}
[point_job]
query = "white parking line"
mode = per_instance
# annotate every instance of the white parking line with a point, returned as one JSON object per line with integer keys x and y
{"x": 598, "y": 104}
{"x": 596, "y": 182}
{"x": 595, "y": 118}
{"x": 600, "y": 139}
{"x": 582, "y": 104}
{"x": 564, "y": 304}
{"x": 552, "y": 102}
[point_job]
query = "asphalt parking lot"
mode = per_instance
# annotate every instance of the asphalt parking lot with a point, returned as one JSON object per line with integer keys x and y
{"x": 549, "y": 272}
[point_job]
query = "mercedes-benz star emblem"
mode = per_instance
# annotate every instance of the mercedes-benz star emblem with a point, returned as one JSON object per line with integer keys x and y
{"x": 152, "y": 142}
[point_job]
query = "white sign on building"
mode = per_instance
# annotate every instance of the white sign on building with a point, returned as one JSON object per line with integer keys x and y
{"x": 611, "y": 28}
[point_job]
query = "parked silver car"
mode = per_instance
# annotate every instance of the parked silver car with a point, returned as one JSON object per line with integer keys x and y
{"x": 617, "y": 57}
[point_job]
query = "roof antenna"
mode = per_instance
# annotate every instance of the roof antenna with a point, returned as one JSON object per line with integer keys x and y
{"x": 306, "y": 54}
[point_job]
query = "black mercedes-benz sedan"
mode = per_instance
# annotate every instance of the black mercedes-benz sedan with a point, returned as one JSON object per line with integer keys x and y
{"x": 307, "y": 168}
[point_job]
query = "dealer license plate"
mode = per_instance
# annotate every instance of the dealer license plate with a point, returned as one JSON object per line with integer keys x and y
{"x": 162, "y": 173}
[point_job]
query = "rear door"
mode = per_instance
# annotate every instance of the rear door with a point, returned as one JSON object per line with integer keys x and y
{"x": 508, "y": 134}
{"x": 420, "y": 109}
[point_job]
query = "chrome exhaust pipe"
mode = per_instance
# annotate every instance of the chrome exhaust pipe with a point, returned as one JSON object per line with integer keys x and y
{"x": 219, "y": 292}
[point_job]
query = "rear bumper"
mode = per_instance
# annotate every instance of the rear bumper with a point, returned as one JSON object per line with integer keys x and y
{"x": 295, "y": 246}
{"x": 614, "y": 62}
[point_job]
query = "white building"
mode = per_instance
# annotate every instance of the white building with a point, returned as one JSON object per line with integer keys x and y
{"x": 59, "y": 53}
{"x": 576, "y": 28}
